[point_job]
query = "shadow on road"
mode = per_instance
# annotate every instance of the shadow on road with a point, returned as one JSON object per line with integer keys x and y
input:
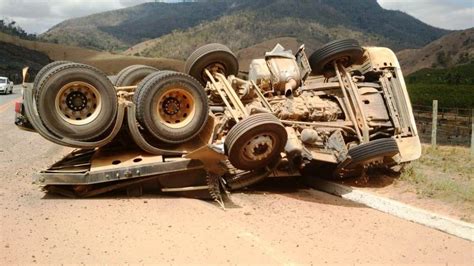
{"x": 376, "y": 178}
{"x": 295, "y": 187}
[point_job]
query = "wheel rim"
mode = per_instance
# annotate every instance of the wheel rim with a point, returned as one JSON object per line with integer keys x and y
{"x": 176, "y": 108}
{"x": 259, "y": 147}
{"x": 78, "y": 103}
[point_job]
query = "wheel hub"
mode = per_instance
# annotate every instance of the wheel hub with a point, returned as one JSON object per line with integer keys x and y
{"x": 76, "y": 101}
{"x": 171, "y": 106}
{"x": 176, "y": 108}
{"x": 259, "y": 147}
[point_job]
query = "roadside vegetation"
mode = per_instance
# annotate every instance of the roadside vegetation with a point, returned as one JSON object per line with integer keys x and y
{"x": 445, "y": 173}
{"x": 452, "y": 87}
{"x": 10, "y": 27}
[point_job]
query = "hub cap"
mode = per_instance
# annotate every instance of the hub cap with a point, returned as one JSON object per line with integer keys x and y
{"x": 259, "y": 147}
{"x": 176, "y": 108}
{"x": 78, "y": 103}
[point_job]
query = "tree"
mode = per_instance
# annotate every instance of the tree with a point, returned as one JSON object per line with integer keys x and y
{"x": 10, "y": 27}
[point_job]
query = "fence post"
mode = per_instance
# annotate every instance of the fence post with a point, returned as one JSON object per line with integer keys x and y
{"x": 472, "y": 132}
{"x": 434, "y": 123}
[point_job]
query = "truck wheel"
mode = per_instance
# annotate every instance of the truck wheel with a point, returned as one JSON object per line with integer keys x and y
{"x": 171, "y": 106}
{"x": 366, "y": 152}
{"x": 347, "y": 52}
{"x": 214, "y": 57}
{"x": 132, "y": 75}
{"x": 76, "y": 101}
{"x": 255, "y": 142}
{"x": 42, "y": 72}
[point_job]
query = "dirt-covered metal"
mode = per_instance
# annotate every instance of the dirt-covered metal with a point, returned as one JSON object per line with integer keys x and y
{"x": 280, "y": 120}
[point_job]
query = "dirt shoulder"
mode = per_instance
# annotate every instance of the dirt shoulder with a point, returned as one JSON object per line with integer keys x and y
{"x": 280, "y": 222}
{"x": 442, "y": 181}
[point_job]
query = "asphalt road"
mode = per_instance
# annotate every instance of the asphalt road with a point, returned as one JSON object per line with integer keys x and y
{"x": 4, "y": 99}
{"x": 283, "y": 223}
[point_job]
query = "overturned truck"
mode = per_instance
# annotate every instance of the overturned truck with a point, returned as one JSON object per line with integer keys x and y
{"x": 214, "y": 129}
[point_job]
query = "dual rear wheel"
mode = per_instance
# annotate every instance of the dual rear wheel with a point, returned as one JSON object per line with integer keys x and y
{"x": 75, "y": 101}
{"x": 171, "y": 106}
{"x": 79, "y": 102}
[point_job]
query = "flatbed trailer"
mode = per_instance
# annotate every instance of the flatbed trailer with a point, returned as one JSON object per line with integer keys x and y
{"x": 95, "y": 168}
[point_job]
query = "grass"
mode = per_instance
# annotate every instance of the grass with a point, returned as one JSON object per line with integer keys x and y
{"x": 445, "y": 173}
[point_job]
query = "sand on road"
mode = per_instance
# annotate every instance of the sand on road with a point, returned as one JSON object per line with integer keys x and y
{"x": 279, "y": 224}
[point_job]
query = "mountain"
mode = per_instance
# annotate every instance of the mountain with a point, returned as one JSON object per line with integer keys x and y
{"x": 454, "y": 49}
{"x": 119, "y": 29}
{"x": 175, "y": 29}
{"x": 20, "y": 51}
{"x": 14, "y": 58}
{"x": 442, "y": 70}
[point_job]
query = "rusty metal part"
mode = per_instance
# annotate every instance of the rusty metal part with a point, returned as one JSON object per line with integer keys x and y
{"x": 342, "y": 125}
{"x": 357, "y": 104}
{"x": 337, "y": 144}
{"x": 212, "y": 158}
{"x": 285, "y": 72}
{"x": 347, "y": 103}
{"x": 262, "y": 98}
{"x": 202, "y": 139}
{"x": 221, "y": 85}
{"x": 87, "y": 173}
{"x": 126, "y": 88}
{"x": 113, "y": 165}
{"x": 308, "y": 107}
{"x": 294, "y": 146}
{"x": 260, "y": 74}
{"x": 214, "y": 186}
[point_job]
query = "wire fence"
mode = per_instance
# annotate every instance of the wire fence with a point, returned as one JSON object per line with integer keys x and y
{"x": 454, "y": 125}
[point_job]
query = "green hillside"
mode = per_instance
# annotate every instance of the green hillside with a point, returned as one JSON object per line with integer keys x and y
{"x": 119, "y": 29}
{"x": 452, "y": 87}
{"x": 247, "y": 22}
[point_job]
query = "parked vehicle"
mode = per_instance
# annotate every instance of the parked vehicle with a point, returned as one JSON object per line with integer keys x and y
{"x": 345, "y": 108}
{"x": 6, "y": 86}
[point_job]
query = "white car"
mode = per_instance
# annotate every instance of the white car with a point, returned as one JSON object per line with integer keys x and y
{"x": 6, "y": 86}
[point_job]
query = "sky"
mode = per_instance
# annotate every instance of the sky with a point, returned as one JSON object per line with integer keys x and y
{"x": 36, "y": 16}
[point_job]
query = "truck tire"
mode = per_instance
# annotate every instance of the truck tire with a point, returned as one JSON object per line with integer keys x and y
{"x": 171, "y": 106}
{"x": 255, "y": 142}
{"x": 366, "y": 152}
{"x": 215, "y": 57}
{"x": 76, "y": 101}
{"x": 348, "y": 51}
{"x": 132, "y": 75}
{"x": 42, "y": 72}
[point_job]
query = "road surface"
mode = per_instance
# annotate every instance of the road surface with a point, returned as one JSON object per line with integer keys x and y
{"x": 280, "y": 224}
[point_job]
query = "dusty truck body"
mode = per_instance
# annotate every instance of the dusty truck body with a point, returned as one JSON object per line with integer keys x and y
{"x": 340, "y": 111}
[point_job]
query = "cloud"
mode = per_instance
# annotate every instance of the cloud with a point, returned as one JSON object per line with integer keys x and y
{"x": 36, "y": 16}
{"x": 453, "y": 15}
